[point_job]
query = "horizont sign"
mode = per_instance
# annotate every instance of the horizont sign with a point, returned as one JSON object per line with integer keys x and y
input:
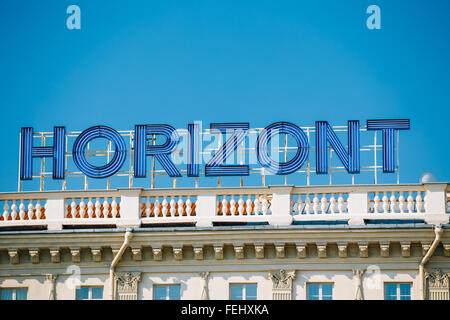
{"x": 325, "y": 136}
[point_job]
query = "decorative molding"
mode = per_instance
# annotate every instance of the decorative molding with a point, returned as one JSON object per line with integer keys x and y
{"x": 13, "y": 256}
{"x": 358, "y": 273}
{"x": 363, "y": 250}
{"x": 137, "y": 254}
{"x": 75, "y": 255}
{"x": 205, "y": 294}
{"x": 198, "y": 253}
{"x": 282, "y": 284}
{"x": 446, "y": 249}
{"x": 406, "y": 249}
{"x": 259, "y": 251}
{"x": 52, "y": 279}
{"x": 157, "y": 253}
{"x": 56, "y": 255}
{"x": 322, "y": 250}
{"x": 438, "y": 285}
{"x": 425, "y": 248}
{"x": 96, "y": 254}
{"x": 178, "y": 253}
{"x": 342, "y": 247}
{"x": 127, "y": 285}
{"x": 279, "y": 248}
{"x": 115, "y": 251}
{"x": 384, "y": 249}
{"x": 301, "y": 250}
{"x": 218, "y": 252}
{"x": 34, "y": 255}
{"x": 239, "y": 251}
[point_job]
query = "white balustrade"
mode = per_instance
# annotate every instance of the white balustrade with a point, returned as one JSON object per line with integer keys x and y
{"x": 21, "y": 211}
{"x": 91, "y": 208}
{"x": 168, "y": 209}
{"x": 402, "y": 202}
{"x": 205, "y": 207}
{"x": 246, "y": 205}
{"x": 322, "y": 204}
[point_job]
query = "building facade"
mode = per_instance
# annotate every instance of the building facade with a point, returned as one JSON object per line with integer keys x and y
{"x": 278, "y": 242}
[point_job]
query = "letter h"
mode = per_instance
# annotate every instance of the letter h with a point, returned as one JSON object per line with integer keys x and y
{"x": 28, "y": 152}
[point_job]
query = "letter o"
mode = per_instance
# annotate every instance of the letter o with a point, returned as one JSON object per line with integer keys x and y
{"x": 285, "y": 167}
{"x": 112, "y": 166}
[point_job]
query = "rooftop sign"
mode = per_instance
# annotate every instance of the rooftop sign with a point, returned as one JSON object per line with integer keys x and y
{"x": 142, "y": 145}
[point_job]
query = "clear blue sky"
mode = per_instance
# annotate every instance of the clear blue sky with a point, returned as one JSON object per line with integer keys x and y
{"x": 227, "y": 61}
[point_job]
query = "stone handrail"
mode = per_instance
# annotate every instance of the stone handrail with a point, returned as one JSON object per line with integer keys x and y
{"x": 205, "y": 207}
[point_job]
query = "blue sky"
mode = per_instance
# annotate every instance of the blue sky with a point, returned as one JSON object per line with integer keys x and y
{"x": 227, "y": 61}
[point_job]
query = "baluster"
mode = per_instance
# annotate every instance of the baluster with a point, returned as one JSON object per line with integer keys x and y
{"x": 401, "y": 203}
{"x": 376, "y": 203}
{"x": 38, "y": 209}
{"x": 82, "y": 208}
{"x": 143, "y": 207}
{"x": 332, "y": 204}
{"x": 114, "y": 208}
{"x": 14, "y": 210}
{"x": 248, "y": 205}
{"x": 265, "y": 205}
{"x": 316, "y": 204}
{"x": 232, "y": 205}
{"x": 323, "y": 204}
{"x": 148, "y": 207}
{"x": 173, "y": 209}
{"x": 241, "y": 205}
{"x": 257, "y": 205}
{"x": 164, "y": 207}
{"x": 341, "y": 204}
{"x": 307, "y": 204}
{"x": 6, "y": 211}
{"x": 295, "y": 206}
{"x": 385, "y": 203}
{"x": 90, "y": 206}
{"x": 180, "y": 206}
{"x": 105, "y": 209}
{"x": 188, "y": 206}
{"x": 30, "y": 210}
{"x": 156, "y": 209}
{"x": 393, "y": 202}
{"x": 73, "y": 208}
{"x": 97, "y": 208}
{"x": 224, "y": 205}
{"x": 419, "y": 202}
{"x": 410, "y": 203}
{"x": 21, "y": 210}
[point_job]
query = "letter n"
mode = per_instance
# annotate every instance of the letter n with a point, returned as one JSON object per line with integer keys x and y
{"x": 325, "y": 135}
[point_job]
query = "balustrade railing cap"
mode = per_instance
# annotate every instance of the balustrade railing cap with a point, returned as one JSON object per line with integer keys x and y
{"x": 436, "y": 185}
{"x": 286, "y": 188}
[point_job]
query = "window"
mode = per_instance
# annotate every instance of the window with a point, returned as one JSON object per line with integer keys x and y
{"x": 397, "y": 291}
{"x": 319, "y": 291}
{"x": 90, "y": 293}
{"x": 166, "y": 292}
{"x": 244, "y": 291}
{"x": 14, "y": 294}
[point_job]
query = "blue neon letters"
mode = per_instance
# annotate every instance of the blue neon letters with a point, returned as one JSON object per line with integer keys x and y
{"x": 325, "y": 135}
{"x": 287, "y": 167}
{"x": 161, "y": 152}
{"x": 215, "y": 166}
{"x": 388, "y": 127}
{"x": 349, "y": 159}
{"x": 27, "y": 152}
{"x": 110, "y": 168}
